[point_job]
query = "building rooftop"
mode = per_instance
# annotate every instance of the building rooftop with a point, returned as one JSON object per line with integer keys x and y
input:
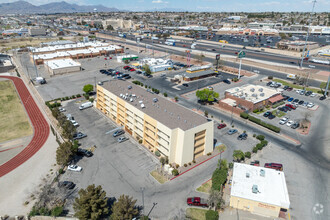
{"x": 269, "y": 185}
{"x": 253, "y": 93}
{"x": 164, "y": 111}
{"x": 62, "y": 63}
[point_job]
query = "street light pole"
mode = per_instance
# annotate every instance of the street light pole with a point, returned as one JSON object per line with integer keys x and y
{"x": 154, "y": 204}
{"x": 310, "y": 21}
{"x": 142, "y": 190}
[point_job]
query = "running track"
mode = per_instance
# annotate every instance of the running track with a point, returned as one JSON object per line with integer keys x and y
{"x": 39, "y": 123}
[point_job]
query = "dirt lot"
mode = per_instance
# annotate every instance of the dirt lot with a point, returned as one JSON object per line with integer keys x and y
{"x": 14, "y": 121}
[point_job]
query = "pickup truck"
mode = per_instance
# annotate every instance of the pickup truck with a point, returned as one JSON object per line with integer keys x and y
{"x": 196, "y": 201}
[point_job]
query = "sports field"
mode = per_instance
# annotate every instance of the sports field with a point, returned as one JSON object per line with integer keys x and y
{"x": 14, "y": 122}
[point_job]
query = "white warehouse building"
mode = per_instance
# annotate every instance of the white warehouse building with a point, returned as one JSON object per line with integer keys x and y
{"x": 157, "y": 65}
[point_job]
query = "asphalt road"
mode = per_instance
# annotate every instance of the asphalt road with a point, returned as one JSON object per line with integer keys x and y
{"x": 253, "y": 54}
{"x": 262, "y": 71}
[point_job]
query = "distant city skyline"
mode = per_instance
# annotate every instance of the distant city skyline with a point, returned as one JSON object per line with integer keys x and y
{"x": 202, "y": 5}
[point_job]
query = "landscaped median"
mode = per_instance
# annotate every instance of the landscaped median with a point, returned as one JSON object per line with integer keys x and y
{"x": 285, "y": 83}
{"x": 260, "y": 122}
{"x": 205, "y": 187}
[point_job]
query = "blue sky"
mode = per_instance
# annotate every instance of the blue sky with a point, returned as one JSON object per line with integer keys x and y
{"x": 204, "y": 5}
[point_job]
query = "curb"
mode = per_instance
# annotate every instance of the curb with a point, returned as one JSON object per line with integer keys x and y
{"x": 196, "y": 166}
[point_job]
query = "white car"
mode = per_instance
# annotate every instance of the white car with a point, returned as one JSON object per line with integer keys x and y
{"x": 298, "y": 91}
{"x": 313, "y": 94}
{"x": 310, "y": 105}
{"x": 74, "y": 168}
{"x": 61, "y": 109}
{"x": 289, "y": 123}
{"x": 74, "y": 123}
{"x": 283, "y": 121}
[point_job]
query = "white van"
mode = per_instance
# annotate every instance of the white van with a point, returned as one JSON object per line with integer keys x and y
{"x": 85, "y": 105}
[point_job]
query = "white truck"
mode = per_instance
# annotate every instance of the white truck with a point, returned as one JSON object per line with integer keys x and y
{"x": 85, "y": 105}
{"x": 291, "y": 76}
{"x": 40, "y": 80}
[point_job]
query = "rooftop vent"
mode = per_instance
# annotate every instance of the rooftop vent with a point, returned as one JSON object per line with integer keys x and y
{"x": 140, "y": 101}
{"x": 142, "y": 106}
{"x": 247, "y": 175}
{"x": 121, "y": 95}
{"x": 155, "y": 100}
{"x": 252, "y": 89}
{"x": 254, "y": 95}
{"x": 262, "y": 94}
{"x": 262, "y": 172}
{"x": 261, "y": 89}
{"x": 255, "y": 189}
{"x": 131, "y": 100}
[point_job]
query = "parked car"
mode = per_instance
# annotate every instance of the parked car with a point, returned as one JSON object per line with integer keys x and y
{"x": 78, "y": 135}
{"x": 295, "y": 125}
{"x": 222, "y": 126}
{"x": 290, "y": 99}
{"x": 66, "y": 184}
{"x": 283, "y": 120}
{"x": 310, "y": 105}
{"x": 132, "y": 70}
{"x": 291, "y": 106}
{"x": 74, "y": 168}
{"x": 196, "y": 201}
{"x": 290, "y": 123}
{"x": 84, "y": 152}
{"x": 149, "y": 76}
{"x": 289, "y": 89}
{"x": 138, "y": 72}
{"x": 322, "y": 98}
{"x": 61, "y": 109}
{"x": 308, "y": 93}
{"x": 276, "y": 166}
{"x": 232, "y": 131}
{"x": 242, "y": 136}
{"x": 313, "y": 94}
{"x": 266, "y": 114}
{"x": 302, "y": 92}
{"x": 255, "y": 163}
{"x": 271, "y": 116}
{"x": 74, "y": 123}
{"x": 269, "y": 83}
{"x": 295, "y": 101}
{"x": 300, "y": 102}
{"x": 185, "y": 84}
{"x": 226, "y": 81}
{"x": 118, "y": 132}
{"x": 122, "y": 139}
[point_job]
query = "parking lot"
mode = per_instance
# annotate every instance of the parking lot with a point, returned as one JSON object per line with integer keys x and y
{"x": 307, "y": 183}
{"x": 120, "y": 168}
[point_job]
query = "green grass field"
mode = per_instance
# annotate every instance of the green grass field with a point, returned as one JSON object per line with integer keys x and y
{"x": 14, "y": 120}
{"x": 206, "y": 187}
{"x": 161, "y": 179}
{"x": 285, "y": 83}
{"x": 196, "y": 214}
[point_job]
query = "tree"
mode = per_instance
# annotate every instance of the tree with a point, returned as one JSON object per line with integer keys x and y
{"x": 206, "y": 95}
{"x": 91, "y": 203}
{"x": 222, "y": 164}
{"x": 64, "y": 153}
{"x": 215, "y": 199}
{"x": 110, "y": 28}
{"x": 162, "y": 160}
{"x": 219, "y": 177}
{"x": 147, "y": 69}
{"x": 238, "y": 155}
{"x": 88, "y": 88}
{"x": 124, "y": 208}
{"x": 206, "y": 113}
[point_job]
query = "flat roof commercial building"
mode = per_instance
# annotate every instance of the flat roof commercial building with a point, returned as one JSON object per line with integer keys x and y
{"x": 250, "y": 97}
{"x": 260, "y": 190}
{"x": 159, "y": 124}
{"x": 55, "y": 67}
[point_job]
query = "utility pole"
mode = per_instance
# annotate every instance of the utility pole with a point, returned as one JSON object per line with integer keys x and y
{"x": 310, "y": 21}
{"x": 240, "y": 55}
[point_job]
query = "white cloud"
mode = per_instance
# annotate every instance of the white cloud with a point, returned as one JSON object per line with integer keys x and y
{"x": 159, "y": 2}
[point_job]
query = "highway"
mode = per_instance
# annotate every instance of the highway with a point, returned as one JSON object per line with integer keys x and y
{"x": 262, "y": 71}
{"x": 228, "y": 50}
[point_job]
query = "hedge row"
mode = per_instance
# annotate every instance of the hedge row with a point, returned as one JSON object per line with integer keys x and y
{"x": 136, "y": 82}
{"x": 259, "y": 146}
{"x": 260, "y": 122}
{"x": 58, "y": 104}
{"x": 278, "y": 104}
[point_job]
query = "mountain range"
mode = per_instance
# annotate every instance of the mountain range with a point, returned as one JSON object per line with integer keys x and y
{"x": 23, "y": 7}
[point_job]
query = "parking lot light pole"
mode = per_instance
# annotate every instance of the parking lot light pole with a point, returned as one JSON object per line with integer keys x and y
{"x": 142, "y": 190}
{"x": 155, "y": 203}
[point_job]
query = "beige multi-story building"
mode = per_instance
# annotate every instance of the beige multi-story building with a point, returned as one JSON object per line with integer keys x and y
{"x": 118, "y": 24}
{"x": 159, "y": 124}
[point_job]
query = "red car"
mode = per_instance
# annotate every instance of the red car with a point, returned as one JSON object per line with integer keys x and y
{"x": 291, "y": 106}
{"x": 275, "y": 166}
{"x": 126, "y": 67}
{"x": 289, "y": 89}
{"x": 196, "y": 201}
{"x": 132, "y": 69}
{"x": 221, "y": 126}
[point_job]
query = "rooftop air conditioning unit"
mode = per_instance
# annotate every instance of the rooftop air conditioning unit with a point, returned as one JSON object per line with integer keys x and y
{"x": 155, "y": 100}
{"x": 142, "y": 106}
{"x": 262, "y": 94}
{"x": 262, "y": 172}
{"x": 261, "y": 89}
{"x": 247, "y": 175}
{"x": 131, "y": 100}
{"x": 140, "y": 101}
{"x": 255, "y": 189}
{"x": 252, "y": 89}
